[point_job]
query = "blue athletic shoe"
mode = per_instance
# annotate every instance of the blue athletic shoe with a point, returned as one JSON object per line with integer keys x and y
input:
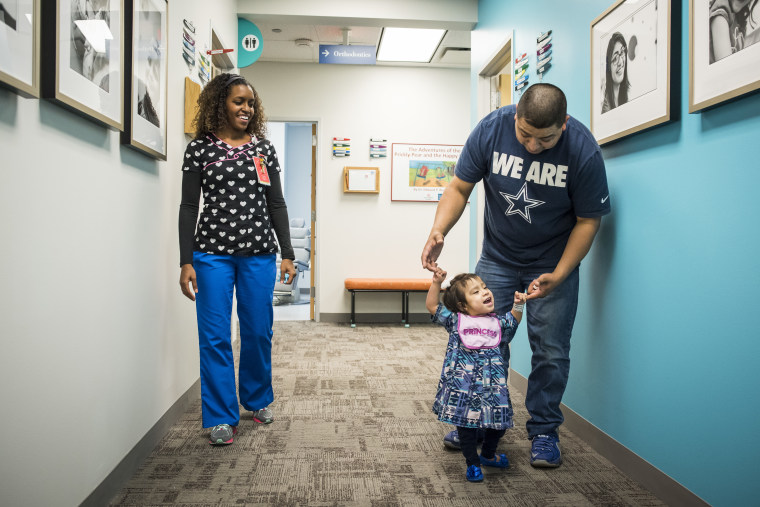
{"x": 498, "y": 461}
{"x": 451, "y": 440}
{"x": 544, "y": 452}
{"x": 474, "y": 474}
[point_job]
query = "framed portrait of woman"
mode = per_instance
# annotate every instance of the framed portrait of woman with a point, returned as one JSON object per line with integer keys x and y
{"x": 83, "y": 64}
{"x": 631, "y": 67}
{"x": 20, "y": 46}
{"x": 145, "y": 84}
{"x": 724, "y": 54}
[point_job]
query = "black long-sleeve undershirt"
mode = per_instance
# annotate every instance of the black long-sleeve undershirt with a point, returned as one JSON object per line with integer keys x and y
{"x": 189, "y": 207}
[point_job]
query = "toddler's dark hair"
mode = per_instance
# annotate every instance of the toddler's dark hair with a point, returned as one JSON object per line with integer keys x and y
{"x": 455, "y": 299}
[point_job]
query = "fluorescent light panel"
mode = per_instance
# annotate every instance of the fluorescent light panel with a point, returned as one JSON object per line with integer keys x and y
{"x": 409, "y": 44}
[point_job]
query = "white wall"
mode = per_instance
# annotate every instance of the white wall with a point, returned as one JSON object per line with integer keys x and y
{"x": 368, "y": 235}
{"x": 98, "y": 342}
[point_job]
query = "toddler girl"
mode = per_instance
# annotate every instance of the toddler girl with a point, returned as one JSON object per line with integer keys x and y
{"x": 472, "y": 392}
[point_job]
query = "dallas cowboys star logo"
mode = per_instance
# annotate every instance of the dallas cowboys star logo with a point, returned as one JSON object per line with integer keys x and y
{"x": 521, "y": 204}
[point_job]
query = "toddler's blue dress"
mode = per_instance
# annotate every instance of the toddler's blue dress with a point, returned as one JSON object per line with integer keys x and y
{"x": 472, "y": 391}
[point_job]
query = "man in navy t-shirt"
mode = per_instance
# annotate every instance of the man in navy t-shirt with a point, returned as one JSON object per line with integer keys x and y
{"x": 545, "y": 193}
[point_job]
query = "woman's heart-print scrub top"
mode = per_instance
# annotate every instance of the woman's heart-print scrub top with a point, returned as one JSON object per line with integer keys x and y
{"x": 241, "y": 215}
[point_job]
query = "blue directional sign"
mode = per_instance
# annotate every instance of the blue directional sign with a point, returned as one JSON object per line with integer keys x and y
{"x": 352, "y": 55}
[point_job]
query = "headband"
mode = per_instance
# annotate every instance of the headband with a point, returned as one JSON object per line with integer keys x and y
{"x": 231, "y": 79}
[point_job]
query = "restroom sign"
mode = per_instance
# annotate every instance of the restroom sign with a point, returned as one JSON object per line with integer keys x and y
{"x": 250, "y": 43}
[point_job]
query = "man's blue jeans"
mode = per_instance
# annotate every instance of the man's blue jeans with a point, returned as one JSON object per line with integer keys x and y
{"x": 550, "y": 324}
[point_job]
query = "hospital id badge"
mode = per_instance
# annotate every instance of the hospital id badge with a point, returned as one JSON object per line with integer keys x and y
{"x": 261, "y": 170}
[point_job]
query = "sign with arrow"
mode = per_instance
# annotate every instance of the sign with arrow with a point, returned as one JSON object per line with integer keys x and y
{"x": 347, "y": 55}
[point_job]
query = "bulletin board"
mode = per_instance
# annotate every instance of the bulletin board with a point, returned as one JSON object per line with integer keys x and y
{"x": 361, "y": 179}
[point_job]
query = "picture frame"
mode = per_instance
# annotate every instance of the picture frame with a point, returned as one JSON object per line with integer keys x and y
{"x": 421, "y": 172}
{"x": 633, "y": 67}
{"x": 364, "y": 180}
{"x": 722, "y": 68}
{"x": 84, "y": 66}
{"x": 20, "y": 47}
{"x": 146, "y": 78}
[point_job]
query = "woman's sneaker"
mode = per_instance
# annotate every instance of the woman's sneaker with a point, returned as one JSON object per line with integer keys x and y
{"x": 263, "y": 416}
{"x": 222, "y": 434}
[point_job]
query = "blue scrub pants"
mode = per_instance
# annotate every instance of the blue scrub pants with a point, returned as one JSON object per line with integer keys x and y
{"x": 253, "y": 277}
{"x": 550, "y": 323}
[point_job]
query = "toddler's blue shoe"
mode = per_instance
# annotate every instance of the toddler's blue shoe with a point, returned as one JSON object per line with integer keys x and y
{"x": 498, "y": 461}
{"x": 544, "y": 452}
{"x": 474, "y": 474}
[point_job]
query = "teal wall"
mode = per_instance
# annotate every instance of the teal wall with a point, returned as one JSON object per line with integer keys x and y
{"x": 665, "y": 354}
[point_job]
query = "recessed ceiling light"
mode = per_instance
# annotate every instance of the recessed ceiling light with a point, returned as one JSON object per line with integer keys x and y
{"x": 277, "y": 30}
{"x": 409, "y": 44}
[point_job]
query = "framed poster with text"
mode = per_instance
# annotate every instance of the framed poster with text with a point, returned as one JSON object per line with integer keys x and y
{"x": 421, "y": 172}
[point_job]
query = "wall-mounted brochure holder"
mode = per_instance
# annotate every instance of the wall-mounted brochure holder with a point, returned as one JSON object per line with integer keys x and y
{"x": 361, "y": 179}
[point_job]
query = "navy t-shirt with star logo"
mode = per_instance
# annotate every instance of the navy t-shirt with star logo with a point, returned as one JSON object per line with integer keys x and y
{"x": 532, "y": 201}
{"x": 235, "y": 217}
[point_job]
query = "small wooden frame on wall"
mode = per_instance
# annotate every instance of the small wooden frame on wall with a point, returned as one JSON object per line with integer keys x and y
{"x": 361, "y": 180}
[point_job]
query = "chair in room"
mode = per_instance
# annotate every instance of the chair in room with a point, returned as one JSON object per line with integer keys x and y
{"x": 300, "y": 238}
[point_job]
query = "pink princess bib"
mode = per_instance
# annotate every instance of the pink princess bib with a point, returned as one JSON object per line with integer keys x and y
{"x": 479, "y": 332}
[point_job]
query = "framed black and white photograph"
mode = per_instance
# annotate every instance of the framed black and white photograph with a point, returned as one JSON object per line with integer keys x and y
{"x": 146, "y": 78}
{"x": 20, "y": 46}
{"x": 724, "y": 54}
{"x": 630, "y": 68}
{"x": 84, "y": 63}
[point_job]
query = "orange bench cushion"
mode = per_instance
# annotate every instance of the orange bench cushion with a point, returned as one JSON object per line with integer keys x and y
{"x": 388, "y": 283}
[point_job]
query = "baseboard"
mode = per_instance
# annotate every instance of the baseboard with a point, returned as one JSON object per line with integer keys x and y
{"x": 375, "y": 318}
{"x": 111, "y": 485}
{"x": 634, "y": 466}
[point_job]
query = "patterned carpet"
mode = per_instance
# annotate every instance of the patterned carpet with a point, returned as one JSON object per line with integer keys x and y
{"x": 353, "y": 427}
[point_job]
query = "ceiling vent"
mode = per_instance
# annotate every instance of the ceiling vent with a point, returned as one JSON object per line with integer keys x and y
{"x": 455, "y": 55}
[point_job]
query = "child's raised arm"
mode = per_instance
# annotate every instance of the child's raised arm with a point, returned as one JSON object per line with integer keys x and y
{"x": 431, "y": 302}
{"x": 518, "y": 305}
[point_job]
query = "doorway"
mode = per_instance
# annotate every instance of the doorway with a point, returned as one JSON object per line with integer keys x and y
{"x": 494, "y": 91}
{"x": 295, "y": 143}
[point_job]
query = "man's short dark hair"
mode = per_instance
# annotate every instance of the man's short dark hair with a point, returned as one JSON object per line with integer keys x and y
{"x": 543, "y": 105}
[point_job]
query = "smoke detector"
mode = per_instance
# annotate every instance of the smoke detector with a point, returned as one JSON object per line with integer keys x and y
{"x": 304, "y": 43}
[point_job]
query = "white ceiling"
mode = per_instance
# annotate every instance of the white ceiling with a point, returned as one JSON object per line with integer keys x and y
{"x": 454, "y": 50}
